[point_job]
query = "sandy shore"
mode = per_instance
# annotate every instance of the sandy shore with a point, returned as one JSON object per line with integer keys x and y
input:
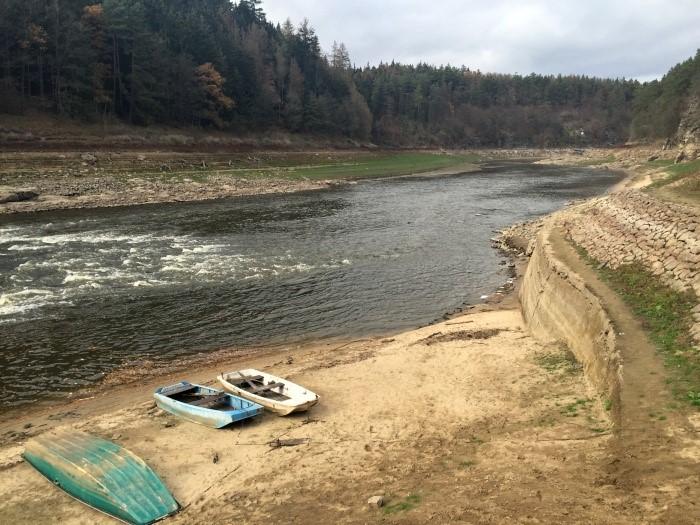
{"x": 464, "y": 421}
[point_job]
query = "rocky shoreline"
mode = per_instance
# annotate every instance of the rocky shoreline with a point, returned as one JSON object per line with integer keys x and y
{"x": 33, "y": 181}
{"x": 106, "y": 192}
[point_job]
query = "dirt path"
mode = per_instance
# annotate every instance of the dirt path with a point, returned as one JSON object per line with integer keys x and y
{"x": 656, "y": 447}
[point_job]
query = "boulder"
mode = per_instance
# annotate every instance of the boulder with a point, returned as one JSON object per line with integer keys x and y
{"x": 376, "y": 501}
{"x": 18, "y": 196}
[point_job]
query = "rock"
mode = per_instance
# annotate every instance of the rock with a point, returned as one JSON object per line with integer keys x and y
{"x": 376, "y": 501}
{"x": 531, "y": 247}
{"x": 88, "y": 157}
{"x": 18, "y": 196}
{"x": 141, "y": 157}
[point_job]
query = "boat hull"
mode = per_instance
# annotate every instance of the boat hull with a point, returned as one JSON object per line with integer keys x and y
{"x": 241, "y": 409}
{"x": 301, "y": 399}
{"x": 102, "y": 475}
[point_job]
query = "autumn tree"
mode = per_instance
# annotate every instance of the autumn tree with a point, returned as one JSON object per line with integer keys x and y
{"x": 212, "y": 100}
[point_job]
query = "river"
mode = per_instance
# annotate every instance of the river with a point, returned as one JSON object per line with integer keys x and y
{"x": 85, "y": 292}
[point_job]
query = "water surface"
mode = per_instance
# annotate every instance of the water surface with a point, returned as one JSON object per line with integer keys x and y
{"x": 87, "y": 291}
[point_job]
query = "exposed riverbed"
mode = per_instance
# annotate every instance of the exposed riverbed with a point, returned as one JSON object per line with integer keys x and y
{"x": 85, "y": 292}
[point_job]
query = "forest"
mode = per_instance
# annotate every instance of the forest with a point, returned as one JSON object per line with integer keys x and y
{"x": 660, "y": 104}
{"x": 223, "y": 65}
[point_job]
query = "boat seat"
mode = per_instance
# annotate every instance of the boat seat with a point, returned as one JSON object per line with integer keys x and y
{"x": 237, "y": 380}
{"x": 179, "y": 389}
{"x": 266, "y": 388}
{"x": 209, "y": 401}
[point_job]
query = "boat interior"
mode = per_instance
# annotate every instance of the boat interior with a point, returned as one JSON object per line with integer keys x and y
{"x": 256, "y": 385}
{"x": 192, "y": 395}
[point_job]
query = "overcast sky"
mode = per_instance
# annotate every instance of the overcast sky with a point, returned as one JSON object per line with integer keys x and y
{"x": 611, "y": 38}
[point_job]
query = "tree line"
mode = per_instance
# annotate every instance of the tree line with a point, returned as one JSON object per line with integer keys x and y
{"x": 659, "y": 105}
{"x": 222, "y": 64}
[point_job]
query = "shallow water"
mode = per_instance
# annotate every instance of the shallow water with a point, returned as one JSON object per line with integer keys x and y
{"x": 85, "y": 292}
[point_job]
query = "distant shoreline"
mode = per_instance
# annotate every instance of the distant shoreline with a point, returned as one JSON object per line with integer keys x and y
{"x": 34, "y": 182}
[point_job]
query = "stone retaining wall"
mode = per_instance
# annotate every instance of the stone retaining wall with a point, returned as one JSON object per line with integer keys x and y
{"x": 634, "y": 227}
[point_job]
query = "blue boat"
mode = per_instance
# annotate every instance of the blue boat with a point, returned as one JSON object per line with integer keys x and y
{"x": 102, "y": 475}
{"x": 206, "y": 406}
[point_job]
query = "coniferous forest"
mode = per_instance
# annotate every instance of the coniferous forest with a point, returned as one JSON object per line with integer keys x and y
{"x": 218, "y": 64}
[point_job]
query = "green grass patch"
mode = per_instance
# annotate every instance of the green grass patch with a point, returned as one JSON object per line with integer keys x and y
{"x": 365, "y": 165}
{"x": 572, "y": 409}
{"x": 376, "y": 166}
{"x": 292, "y": 166}
{"x": 564, "y": 362}
{"x": 676, "y": 172}
{"x": 667, "y": 316}
{"x": 408, "y": 503}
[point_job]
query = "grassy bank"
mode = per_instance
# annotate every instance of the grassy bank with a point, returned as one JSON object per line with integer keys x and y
{"x": 667, "y": 317}
{"x": 363, "y": 166}
{"x": 681, "y": 181}
{"x": 175, "y": 167}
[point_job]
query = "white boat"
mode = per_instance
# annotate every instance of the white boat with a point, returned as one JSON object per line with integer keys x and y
{"x": 274, "y": 393}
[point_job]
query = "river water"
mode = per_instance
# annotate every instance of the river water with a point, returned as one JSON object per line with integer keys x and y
{"x": 85, "y": 292}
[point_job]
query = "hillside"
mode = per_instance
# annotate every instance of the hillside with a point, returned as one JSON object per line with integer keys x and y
{"x": 222, "y": 65}
{"x": 667, "y": 109}
{"x": 688, "y": 135}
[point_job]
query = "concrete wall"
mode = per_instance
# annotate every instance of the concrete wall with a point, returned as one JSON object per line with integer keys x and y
{"x": 558, "y": 308}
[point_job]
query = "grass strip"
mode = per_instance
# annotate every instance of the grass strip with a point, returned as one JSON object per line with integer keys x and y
{"x": 676, "y": 172}
{"x": 667, "y": 317}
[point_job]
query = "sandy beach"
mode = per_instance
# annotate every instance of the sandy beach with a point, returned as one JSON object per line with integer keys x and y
{"x": 454, "y": 422}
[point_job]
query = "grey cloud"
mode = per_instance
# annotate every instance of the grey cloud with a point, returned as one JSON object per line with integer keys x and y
{"x": 613, "y": 38}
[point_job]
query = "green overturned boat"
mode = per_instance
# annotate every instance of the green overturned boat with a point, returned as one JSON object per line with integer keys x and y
{"x": 103, "y": 475}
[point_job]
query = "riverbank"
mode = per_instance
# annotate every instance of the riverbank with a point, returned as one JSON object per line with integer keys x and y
{"x": 40, "y": 181}
{"x": 65, "y": 176}
{"x": 614, "y": 280}
{"x": 518, "y": 425}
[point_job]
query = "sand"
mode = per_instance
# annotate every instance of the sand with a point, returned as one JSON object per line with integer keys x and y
{"x": 456, "y": 422}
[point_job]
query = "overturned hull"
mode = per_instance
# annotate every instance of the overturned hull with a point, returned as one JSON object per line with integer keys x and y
{"x": 102, "y": 475}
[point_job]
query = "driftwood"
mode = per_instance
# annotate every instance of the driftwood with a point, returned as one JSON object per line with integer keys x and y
{"x": 279, "y": 443}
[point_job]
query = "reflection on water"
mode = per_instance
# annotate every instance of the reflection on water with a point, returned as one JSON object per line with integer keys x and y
{"x": 84, "y": 292}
